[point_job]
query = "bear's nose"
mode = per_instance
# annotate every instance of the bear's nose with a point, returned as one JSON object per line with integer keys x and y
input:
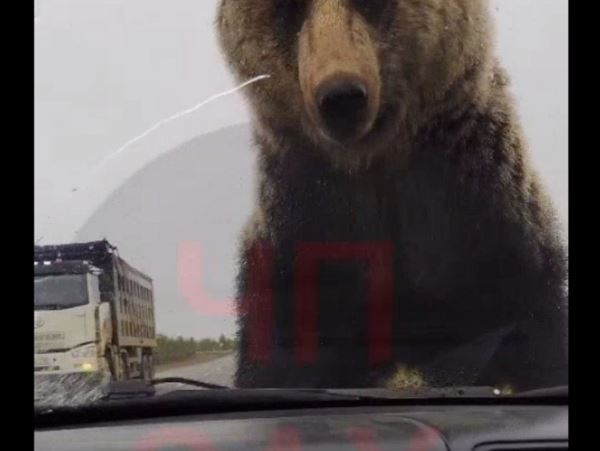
{"x": 343, "y": 103}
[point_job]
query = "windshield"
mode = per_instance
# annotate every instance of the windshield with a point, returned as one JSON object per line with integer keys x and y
{"x": 291, "y": 194}
{"x": 60, "y": 292}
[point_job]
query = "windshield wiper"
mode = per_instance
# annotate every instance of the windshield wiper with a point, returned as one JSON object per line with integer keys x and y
{"x": 49, "y": 307}
{"x": 561, "y": 391}
{"x": 468, "y": 392}
{"x": 136, "y": 388}
{"x": 359, "y": 393}
{"x": 416, "y": 393}
{"x": 187, "y": 381}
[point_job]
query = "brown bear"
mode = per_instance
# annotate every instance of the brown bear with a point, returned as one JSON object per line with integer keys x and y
{"x": 398, "y": 219}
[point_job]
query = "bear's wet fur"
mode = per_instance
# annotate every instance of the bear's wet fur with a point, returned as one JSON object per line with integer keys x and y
{"x": 438, "y": 174}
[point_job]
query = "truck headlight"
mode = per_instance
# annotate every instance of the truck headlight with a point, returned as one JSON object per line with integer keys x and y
{"x": 84, "y": 351}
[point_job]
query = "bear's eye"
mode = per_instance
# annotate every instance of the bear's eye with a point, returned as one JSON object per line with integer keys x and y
{"x": 372, "y": 10}
{"x": 288, "y": 17}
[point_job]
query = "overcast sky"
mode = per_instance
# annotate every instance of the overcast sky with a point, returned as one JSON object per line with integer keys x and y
{"x": 107, "y": 70}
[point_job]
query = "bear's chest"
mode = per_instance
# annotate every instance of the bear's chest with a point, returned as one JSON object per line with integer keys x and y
{"x": 430, "y": 224}
{"x": 347, "y": 241}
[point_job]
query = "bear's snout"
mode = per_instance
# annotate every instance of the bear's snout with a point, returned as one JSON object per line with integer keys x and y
{"x": 343, "y": 104}
{"x": 338, "y": 70}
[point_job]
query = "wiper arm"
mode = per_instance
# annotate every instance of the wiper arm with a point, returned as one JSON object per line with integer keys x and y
{"x": 48, "y": 307}
{"x": 364, "y": 393}
{"x": 186, "y": 381}
{"x": 561, "y": 391}
{"x": 136, "y": 388}
{"x": 416, "y": 393}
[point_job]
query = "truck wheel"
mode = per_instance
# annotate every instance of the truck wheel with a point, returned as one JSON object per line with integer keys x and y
{"x": 115, "y": 366}
{"x": 147, "y": 368}
{"x": 124, "y": 366}
{"x": 151, "y": 365}
{"x": 112, "y": 365}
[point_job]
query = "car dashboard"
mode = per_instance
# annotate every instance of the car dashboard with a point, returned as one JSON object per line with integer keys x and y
{"x": 404, "y": 427}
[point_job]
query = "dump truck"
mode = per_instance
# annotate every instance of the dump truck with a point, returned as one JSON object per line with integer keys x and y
{"x": 93, "y": 313}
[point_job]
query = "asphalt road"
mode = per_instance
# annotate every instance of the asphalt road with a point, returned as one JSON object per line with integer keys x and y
{"x": 219, "y": 371}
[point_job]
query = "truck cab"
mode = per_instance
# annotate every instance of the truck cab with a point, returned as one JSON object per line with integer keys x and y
{"x": 72, "y": 326}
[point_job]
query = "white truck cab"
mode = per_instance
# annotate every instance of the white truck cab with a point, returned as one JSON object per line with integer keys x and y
{"x": 72, "y": 326}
